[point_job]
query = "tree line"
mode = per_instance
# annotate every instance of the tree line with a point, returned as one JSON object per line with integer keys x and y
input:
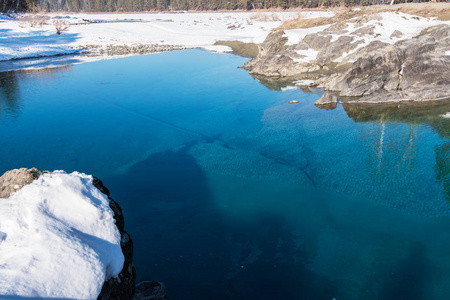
{"x": 172, "y": 5}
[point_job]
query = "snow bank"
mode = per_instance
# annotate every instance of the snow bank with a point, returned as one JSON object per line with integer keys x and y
{"x": 191, "y": 30}
{"x": 384, "y": 30}
{"x": 58, "y": 239}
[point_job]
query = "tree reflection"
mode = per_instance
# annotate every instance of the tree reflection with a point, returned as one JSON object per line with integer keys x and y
{"x": 413, "y": 115}
{"x": 10, "y": 99}
{"x": 9, "y": 103}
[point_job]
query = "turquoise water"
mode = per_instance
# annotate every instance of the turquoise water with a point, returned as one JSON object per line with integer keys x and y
{"x": 229, "y": 192}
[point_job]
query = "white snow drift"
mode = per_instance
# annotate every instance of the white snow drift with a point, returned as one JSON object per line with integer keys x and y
{"x": 58, "y": 239}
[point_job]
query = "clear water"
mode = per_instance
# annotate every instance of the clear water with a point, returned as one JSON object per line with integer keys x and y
{"x": 229, "y": 192}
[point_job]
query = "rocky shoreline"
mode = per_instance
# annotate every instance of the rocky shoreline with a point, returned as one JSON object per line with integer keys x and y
{"x": 360, "y": 70}
{"x": 137, "y": 49}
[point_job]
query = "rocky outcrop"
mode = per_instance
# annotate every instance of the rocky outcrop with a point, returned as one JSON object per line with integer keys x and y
{"x": 122, "y": 287}
{"x": 417, "y": 69}
{"x": 14, "y": 180}
{"x": 328, "y": 101}
{"x": 412, "y": 70}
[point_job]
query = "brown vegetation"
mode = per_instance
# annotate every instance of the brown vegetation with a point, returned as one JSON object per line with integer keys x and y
{"x": 440, "y": 10}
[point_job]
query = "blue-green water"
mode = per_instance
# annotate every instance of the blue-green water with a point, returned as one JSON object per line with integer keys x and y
{"x": 229, "y": 192}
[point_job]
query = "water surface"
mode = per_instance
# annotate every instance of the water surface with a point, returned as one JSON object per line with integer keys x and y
{"x": 229, "y": 192}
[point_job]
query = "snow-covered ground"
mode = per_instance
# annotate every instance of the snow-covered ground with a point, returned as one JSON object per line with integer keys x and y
{"x": 57, "y": 239}
{"x": 192, "y": 30}
{"x": 388, "y": 27}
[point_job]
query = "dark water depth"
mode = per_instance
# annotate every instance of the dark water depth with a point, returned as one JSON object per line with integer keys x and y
{"x": 229, "y": 192}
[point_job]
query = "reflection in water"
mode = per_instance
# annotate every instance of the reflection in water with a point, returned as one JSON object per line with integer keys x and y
{"x": 413, "y": 115}
{"x": 9, "y": 94}
{"x": 45, "y": 73}
{"x": 10, "y": 105}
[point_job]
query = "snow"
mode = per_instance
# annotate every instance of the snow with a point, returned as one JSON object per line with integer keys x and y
{"x": 303, "y": 82}
{"x": 308, "y": 55}
{"x": 296, "y": 35}
{"x": 192, "y": 30}
{"x": 447, "y": 53}
{"x": 410, "y": 26}
{"x": 57, "y": 239}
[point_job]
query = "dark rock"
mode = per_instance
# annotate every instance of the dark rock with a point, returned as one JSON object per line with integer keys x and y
{"x": 150, "y": 290}
{"x": 121, "y": 287}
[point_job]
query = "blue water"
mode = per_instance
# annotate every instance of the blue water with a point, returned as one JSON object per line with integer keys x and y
{"x": 229, "y": 192}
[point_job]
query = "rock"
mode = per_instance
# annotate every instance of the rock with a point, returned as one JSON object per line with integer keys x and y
{"x": 396, "y": 34}
{"x": 417, "y": 69}
{"x": 327, "y": 101}
{"x": 123, "y": 286}
{"x": 293, "y": 102}
{"x": 150, "y": 290}
{"x": 14, "y": 180}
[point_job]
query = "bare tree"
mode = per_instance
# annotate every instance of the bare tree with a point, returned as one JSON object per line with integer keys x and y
{"x": 60, "y": 25}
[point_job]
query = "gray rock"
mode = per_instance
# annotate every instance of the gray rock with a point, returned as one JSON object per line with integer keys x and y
{"x": 14, "y": 180}
{"x": 327, "y": 101}
{"x": 410, "y": 70}
{"x": 367, "y": 30}
{"x": 396, "y": 34}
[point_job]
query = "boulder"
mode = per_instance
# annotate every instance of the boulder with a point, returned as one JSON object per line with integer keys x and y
{"x": 16, "y": 179}
{"x": 123, "y": 286}
{"x": 328, "y": 100}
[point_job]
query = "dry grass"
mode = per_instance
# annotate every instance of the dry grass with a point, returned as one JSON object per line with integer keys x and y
{"x": 264, "y": 17}
{"x": 441, "y": 10}
{"x": 33, "y": 21}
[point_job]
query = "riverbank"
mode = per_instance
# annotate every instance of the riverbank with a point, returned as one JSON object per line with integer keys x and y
{"x": 377, "y": 54}
{"x": 106, "y": 35}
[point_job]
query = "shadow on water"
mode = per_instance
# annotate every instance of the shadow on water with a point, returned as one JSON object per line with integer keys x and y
{"x": 183, "y": 238}
{"x": 409, "y": 279}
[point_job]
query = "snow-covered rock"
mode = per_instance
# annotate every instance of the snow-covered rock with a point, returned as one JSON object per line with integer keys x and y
{"x": 383, "y": 57}
{"x": 61, "y": 236}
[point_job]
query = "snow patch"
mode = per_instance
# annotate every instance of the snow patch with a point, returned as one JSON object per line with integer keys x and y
{"x": 58, "y": 239}
{"x": 303, "y": 82}
{"x": 308, "y": 55}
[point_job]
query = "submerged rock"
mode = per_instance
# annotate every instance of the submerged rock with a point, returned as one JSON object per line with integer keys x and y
{"x": 150, "y": 290}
